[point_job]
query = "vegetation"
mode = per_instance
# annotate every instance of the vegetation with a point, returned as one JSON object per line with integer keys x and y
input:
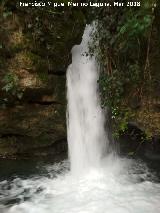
{"x": 35, "y": 41}
{"x": 123, "y": 52}
{"x": 11, "y": 85}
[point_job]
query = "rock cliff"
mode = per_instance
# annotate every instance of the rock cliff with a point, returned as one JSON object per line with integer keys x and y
{"x": 35, "y": 45}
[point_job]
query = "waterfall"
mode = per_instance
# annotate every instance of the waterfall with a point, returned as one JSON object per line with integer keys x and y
{"x": 87, "y": 139}
{"x": 97, "y": 182}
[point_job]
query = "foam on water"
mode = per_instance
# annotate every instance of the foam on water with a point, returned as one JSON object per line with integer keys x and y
{"x": 96, "y": 183}
{"x": 111, "y": 188}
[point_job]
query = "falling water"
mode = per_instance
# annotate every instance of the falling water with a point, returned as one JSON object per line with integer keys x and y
{"x": 87, "y": 138}
{"x": 104, "y": 184}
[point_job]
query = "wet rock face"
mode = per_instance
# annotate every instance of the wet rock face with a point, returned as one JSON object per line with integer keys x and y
{"x": 35, "y": 50}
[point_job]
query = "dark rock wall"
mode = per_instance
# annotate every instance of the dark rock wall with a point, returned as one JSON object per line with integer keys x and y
{"x": 35, "y": 47}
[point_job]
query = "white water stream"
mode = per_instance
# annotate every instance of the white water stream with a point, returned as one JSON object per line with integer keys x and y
{"x": 87, "y": 138}
{"x": 96, "y": 183}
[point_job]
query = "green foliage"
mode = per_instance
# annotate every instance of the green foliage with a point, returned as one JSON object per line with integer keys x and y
{"x": 7, "y": 14}
{"x": 136, "y": 25}
{"x": 11, "y": 85}
{"x": 110, "y": 87}
{"x": 11, "y": 81}
{"x": 120, "y": 117}
{"x": 118, "y": 41}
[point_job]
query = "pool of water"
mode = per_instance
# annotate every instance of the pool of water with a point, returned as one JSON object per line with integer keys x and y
{"x": 120, "y": 185}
